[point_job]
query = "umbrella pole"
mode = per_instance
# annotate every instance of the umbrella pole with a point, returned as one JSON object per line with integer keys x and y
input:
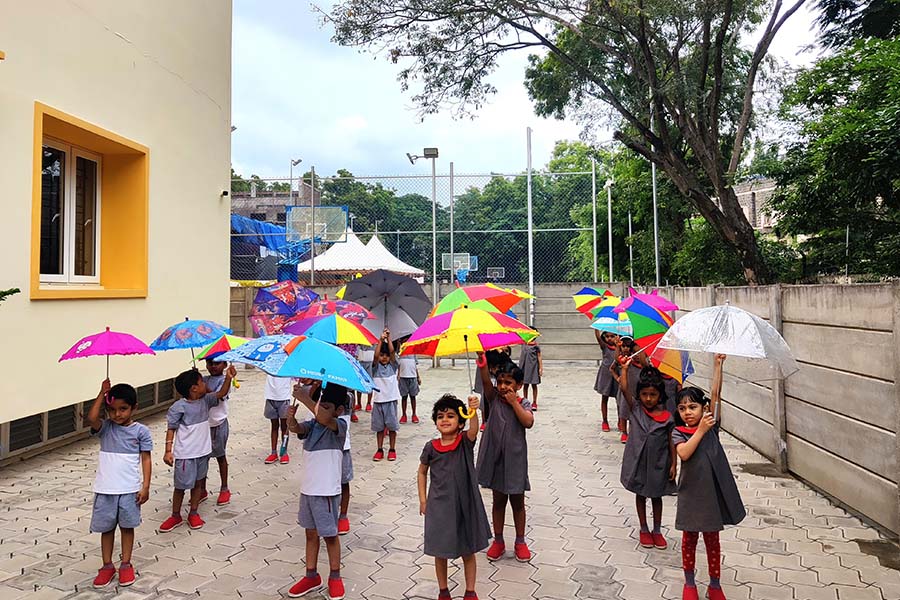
{"x": 468, "y": 366}
{"x": 107, "y": 366}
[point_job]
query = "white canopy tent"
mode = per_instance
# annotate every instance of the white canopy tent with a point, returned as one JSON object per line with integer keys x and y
{"x": 353, "y": 257}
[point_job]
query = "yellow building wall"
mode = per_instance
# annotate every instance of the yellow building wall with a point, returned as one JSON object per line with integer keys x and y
{"x": 158, "y": 74}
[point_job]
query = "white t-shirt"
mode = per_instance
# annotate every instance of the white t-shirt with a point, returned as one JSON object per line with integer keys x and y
{"x": 119, "y": 465}
{"x": 347, "y": 439}
{"x": 279, "y": 388}
{"x": 386, "y": 383}
{"x": 219, "y": 412}
{"x": 408, "y": 367}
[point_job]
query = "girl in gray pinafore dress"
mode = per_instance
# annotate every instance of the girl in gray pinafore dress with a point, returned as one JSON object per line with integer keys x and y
{"x": 605, "y": 385}
{"x": 648, "y": 464}
{"x": 626, "y": 350}
{"x": 456, "y": 524}
{"x": 708, "y": 497}
{"x": 532, "y": 365}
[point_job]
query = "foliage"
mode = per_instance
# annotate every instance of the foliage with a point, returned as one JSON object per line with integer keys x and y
{"x": 842, "y": 22}
{"x": 5, "y": 294}
{"x": 845, "y": 170}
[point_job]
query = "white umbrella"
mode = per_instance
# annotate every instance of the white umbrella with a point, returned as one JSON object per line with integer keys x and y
{"x": 735, "y": 332}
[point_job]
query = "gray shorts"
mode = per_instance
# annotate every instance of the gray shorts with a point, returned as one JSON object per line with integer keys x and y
{"x": 188, "y": 471}
{"x": 111, "y": 510}
{"x": 384, "y": 416}
{"x": 276, "y": 409}
{"x": 320, "y": 513}
{"x": 219, "y": 436}
{"x": 346, "y": 468}
{"x": 409, "y": 386}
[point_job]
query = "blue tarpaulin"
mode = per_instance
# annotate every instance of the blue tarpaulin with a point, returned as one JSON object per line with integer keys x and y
{"x": 274, "y": 238}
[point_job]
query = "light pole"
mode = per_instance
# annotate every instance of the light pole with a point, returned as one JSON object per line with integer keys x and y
{"x": 352, "y": 218}
{"x": 294, "y": 163}
{"x": 377, "y": 221}
{"x": 608, "y": 185}
{"x": 452, "y": 256}
{"x": 594, "y": 213}
{"x": 431, "y": 153}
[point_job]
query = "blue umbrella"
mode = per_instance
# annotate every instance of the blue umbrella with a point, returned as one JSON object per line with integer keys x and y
{"x": 189, "y": 334}
{"x": 266, "y": 353}
{"x": 614, "y": 325}
{"x": 314, "y": 359}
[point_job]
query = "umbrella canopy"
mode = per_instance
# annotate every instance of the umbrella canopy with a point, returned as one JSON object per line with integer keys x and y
{"x": 674, "y": 363}
{"x": 397, "y": 301}
{"x": 489, "y": 297}
{"x": 587, "y": 298}
{"x": 735, "y": 332}
{"x": 333, "y": 329}
{"x": 647, "y": 323}
{"x": 466, "y": 329}
{"x": 313, "y": 359}
{"x": 221, "y": 346}
{"x": 345, "y": 308}
{"x": 605, "y": 307}
{"x": 282, "y": 298}
{"x": 265, "y": 353}
{"x": 189, "y": 334}
{"x": 106, "y": 343}
{"x": 620, "y": 325}
{"x": 653, "y": 299}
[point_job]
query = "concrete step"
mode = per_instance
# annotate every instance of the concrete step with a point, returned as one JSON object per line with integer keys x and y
{"x": 570, "y": 320}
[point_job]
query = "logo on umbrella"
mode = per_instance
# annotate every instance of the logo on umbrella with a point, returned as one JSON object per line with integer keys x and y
{"x": 263, "y": 352}
{"x": 83, "y": 346}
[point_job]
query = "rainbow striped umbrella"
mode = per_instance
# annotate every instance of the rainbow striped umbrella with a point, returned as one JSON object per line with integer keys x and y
{"x": 588, "y": 299}
{"x": 466, "y": 330}
{"x": 648, "y": 324}
{"x": 674, "y": 363}
{"x": 221, "y": 346}
{"x": 333, "y": 329}
{"x": 489, "y": 297}
{"x": 653, "y": 299}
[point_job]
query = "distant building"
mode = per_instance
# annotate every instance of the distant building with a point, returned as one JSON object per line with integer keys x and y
{"x": 754, "y": 196}
{"x": 269, "y": 205}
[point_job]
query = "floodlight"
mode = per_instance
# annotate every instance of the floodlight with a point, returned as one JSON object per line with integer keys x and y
{"x": 430, "y": 152}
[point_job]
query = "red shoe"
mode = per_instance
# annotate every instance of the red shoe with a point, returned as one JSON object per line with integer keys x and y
{"x": 624, "y": 438}
{"x": 715, "y": 593}
{"x": 368, "y": 408}
{"x": 379, "y": 455}
{"x": 392, "y": 455}
{"x": 204, "y": 495}
{"x": 470, "y": 596}
{"x": 444, "y": 595}
{"x": 496, "y": 551}
{"x": 305, "y": 586}
{"x": 690, "y": 593}
{"x": 224, "y": 498}
{"x": 403, "y": 419}
{"x": 415, "y": 419}
{"x": 534, "y": 407}
{"x": 605, "y": 426}
{"x": 335, "y": 588}
{"x": 523, "y": 554}
{"x": 646, "y": 539}
{"x": 126, "y": 574}
{"x": 354, "y": 418}
{"x": 171, "y": 523}
{"x": 271, "y": 459}
{"x": 104, "y": 576}
{"x": 195, "y": 521}
{"x": 285, "y": 459}
{"x": 358, "y": 406}
{"x": 343, "y": 526}
{"x": 659, "y": 541}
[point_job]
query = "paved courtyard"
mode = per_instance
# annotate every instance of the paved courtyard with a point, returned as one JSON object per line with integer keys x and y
{"x": 582, "y": 528}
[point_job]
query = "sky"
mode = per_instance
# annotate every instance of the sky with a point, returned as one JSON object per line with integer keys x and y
{"x": 295, "y": 94}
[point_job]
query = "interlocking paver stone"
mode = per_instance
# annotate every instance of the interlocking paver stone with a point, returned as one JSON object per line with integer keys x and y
{"x": 581, "y": 523}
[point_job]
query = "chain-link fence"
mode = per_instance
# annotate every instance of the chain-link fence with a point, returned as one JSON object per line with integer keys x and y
{"x": 483, "y": 217}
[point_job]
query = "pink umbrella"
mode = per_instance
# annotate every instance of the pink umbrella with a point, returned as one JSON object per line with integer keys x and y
{"x": 653, "y": 299}
{"x": 107, "y": 343}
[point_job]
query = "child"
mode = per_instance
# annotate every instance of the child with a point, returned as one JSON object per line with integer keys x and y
{"x": 409, "y": 384}
{"x": 218, "y": 430}
{"x": 350, "y": 412}
{"x": 455, "y": 522}
{"x": 346, "y": 470}
{"x": 366, "y": 357}
{"x": 648, "y": 464}
{"x": 384, "y": 415}
{"x": 122, "y": 484}
{"x": 532, "y": 364}
{"x": 278, "y": 397}
{"x": 189, "y": 450}
{"x": 503, "y": 455}
{"x": 320, "y": 489}
{"x": 625, "y": 350}
{"x": 605, "y": 385}
{"x": 493, "y": 359}
{"x": 708, "y": 498}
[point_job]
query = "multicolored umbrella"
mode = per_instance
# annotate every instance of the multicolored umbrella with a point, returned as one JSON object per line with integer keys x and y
{"x": 266, "y": 353}
{"x": 648, "y": 324}
{"x": 282, "y": 298}
{"x": 314, "y": 359}
{"x": 489, "y": 297}
{"x": 221, "y": 346}
{"x": 106, "y": 343}
{"x": 619, "y": 325}
{"x": 674, "y": 363}
{"x": 588, "y": 298}
{"x": 653, "y": 299}
{"x": 345, "y": 308}
{"x": 333, "y": 329}
{"x": 466, "y": 329}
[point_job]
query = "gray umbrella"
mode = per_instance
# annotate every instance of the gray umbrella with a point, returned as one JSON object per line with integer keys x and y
{"x": 396, "y": 301}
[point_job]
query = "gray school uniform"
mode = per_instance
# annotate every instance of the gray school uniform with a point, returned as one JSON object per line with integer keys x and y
{"x": 276, "y": 409}
{"x": 193, "y": 440}
{"x": 218, "y": 432}
{"x": 455, "y": 521}
{"x": 321, "y": 473}
{"x": 119, "y": 475}
{"x": 646, "y": 461}
{"x": 634, "y": 375}
{"x": 528, "y": 362}
{"x": 671, "y": 394}
{"x": 503, "y": 452}
{"x": 708, "y": 497}
{"x": 409, "y": 386}
{"x": 605, "y": 384}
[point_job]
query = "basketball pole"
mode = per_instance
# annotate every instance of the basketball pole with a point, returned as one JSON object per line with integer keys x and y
{"x": 312, "y": 242}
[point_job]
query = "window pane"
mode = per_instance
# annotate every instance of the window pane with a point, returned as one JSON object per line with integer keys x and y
{"x": 85, "y": 216}
{"x": 53, "y": 170}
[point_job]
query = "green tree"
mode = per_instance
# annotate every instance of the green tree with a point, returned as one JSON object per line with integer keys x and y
{"x": 603, "y": 60}
{"x": 842, "y": 22}
{"x": 5, "y": 294}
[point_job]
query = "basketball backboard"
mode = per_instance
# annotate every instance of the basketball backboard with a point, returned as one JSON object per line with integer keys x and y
{"x": 461, "y": 260}
{"x": 329, "y": 223}
{"x": 496, "y": 272}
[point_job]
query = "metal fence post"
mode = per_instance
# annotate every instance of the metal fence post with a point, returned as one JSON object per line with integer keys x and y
{"x": 779, "y": 416}
{"x": 530, "y": 238}
{"x": 896, "y": 344}
{"x": 312, "y": 241}
{"x": 594, "y": 207}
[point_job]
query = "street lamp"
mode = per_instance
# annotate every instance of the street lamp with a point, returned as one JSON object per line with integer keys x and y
{"x": 294, "y": 163}
{"x": 431, "y": 153}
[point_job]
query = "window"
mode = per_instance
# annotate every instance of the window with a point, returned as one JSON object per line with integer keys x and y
{"x": 70, "y": 214}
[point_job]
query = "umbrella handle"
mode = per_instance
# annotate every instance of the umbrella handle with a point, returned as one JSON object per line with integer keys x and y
{"x": 467, "y": 413}
{"x": 236, "y": 383}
